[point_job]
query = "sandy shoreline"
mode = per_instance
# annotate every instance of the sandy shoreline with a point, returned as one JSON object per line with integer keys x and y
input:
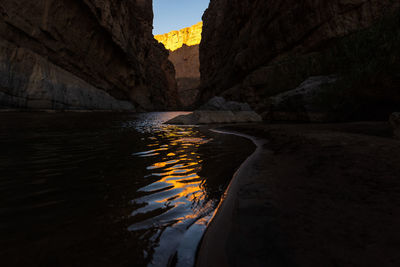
{"x": 314, "y": 195}
{"x": 211, "y": 251}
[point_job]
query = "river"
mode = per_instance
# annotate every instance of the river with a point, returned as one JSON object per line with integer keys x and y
{"x": 109, "y": 189}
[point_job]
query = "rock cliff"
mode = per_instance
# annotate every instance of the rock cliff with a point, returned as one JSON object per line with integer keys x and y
{"x": 82, "y": 54}
{"x": 187, "y": 67}
{"x": 252, "y": 50}
{"x": 184, "y": 54}
{"x": 176, "y": 39}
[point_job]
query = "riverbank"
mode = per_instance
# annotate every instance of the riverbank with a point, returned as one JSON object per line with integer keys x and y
{"x": 313, "y": 195}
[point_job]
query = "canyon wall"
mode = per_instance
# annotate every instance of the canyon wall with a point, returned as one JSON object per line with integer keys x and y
{"x": 82, "y": 54}
{"x": 187, "y": 67}
{"x": 252, "y": 50}
{"x": 183, "y": 46}
{"x": 176, "y": 39}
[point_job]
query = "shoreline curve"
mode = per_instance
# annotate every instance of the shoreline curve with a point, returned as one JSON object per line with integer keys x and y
{"x": 211, "y": 250}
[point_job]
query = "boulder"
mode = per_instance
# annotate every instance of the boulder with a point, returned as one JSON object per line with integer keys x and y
{"x": 304, "y": 103}
{"x": 395, "y": 122}
{"x": 219, "y": 103}
{"x": 216, "y": 117}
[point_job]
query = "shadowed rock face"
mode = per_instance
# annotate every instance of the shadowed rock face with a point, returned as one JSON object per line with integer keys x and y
{"x": 244, "y": 43}
{"x": 83, "y": 54}
{"x": 187, "y": 67}
{"x": 395, "y": 122}
{"x": 301, "y": 104}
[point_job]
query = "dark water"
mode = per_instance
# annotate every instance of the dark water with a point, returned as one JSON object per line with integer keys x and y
{"x": 87, "y": 189}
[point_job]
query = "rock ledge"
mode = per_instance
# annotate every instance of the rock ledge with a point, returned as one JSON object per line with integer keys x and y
{"x": 215, "y": 117}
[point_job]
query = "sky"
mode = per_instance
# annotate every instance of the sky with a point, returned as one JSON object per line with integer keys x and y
{"x": 171, "y": 15}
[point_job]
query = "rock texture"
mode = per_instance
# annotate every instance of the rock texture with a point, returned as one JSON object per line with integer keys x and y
{"x": 187, "y": 68}
{"x": 94, "y": 54}
{"x": 176, "y": 39}
{"x": 252, "y": 50}
{"x": 218, "y": 110}
{"x": 215, "y": 117}
{"x": 303, "y": 103}
{"x": 219, "y": 103}
{"x": 184, "y": 54}
{"x": 395, "y": 122}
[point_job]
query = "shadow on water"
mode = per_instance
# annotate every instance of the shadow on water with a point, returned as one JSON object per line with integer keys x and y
{"x": 108, "y": 189}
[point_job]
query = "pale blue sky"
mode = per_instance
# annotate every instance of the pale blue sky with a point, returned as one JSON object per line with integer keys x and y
{"x": 170, "y": 15}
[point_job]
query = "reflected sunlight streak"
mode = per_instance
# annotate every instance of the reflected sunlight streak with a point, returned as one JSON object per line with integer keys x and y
{"x": 177, "y": 198}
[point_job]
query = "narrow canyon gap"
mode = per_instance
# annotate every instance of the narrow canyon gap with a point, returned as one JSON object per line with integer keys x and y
{"x": 181, "y": 36}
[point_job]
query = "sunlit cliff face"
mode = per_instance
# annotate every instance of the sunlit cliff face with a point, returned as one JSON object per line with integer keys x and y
{"x": 176, "y": 39}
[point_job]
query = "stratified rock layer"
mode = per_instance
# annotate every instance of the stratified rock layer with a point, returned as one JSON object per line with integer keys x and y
{"x": 252, "y": 50}
{"x": 176, "y": 39}
{"x": 28, "y": 80}
{"x": 89, "y": 54}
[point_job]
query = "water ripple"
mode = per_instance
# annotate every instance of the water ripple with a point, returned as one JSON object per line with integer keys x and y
{"x": 108, "y": 189}
{"x": 176, "y": 200}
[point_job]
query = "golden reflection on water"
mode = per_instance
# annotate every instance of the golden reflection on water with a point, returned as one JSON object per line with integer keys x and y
{"x": 173, "y": 209}
{"x": 176, "y": 192}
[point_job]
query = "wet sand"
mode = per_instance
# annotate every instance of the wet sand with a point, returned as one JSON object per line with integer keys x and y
{"x": 312, "y": 195}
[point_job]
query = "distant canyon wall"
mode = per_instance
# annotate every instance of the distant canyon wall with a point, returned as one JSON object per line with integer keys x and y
{"x": 183, "y": 48}
{"x": 176, "y": 39}
{"x": 82, "y": 54}
{"x": 253, "y": 50}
